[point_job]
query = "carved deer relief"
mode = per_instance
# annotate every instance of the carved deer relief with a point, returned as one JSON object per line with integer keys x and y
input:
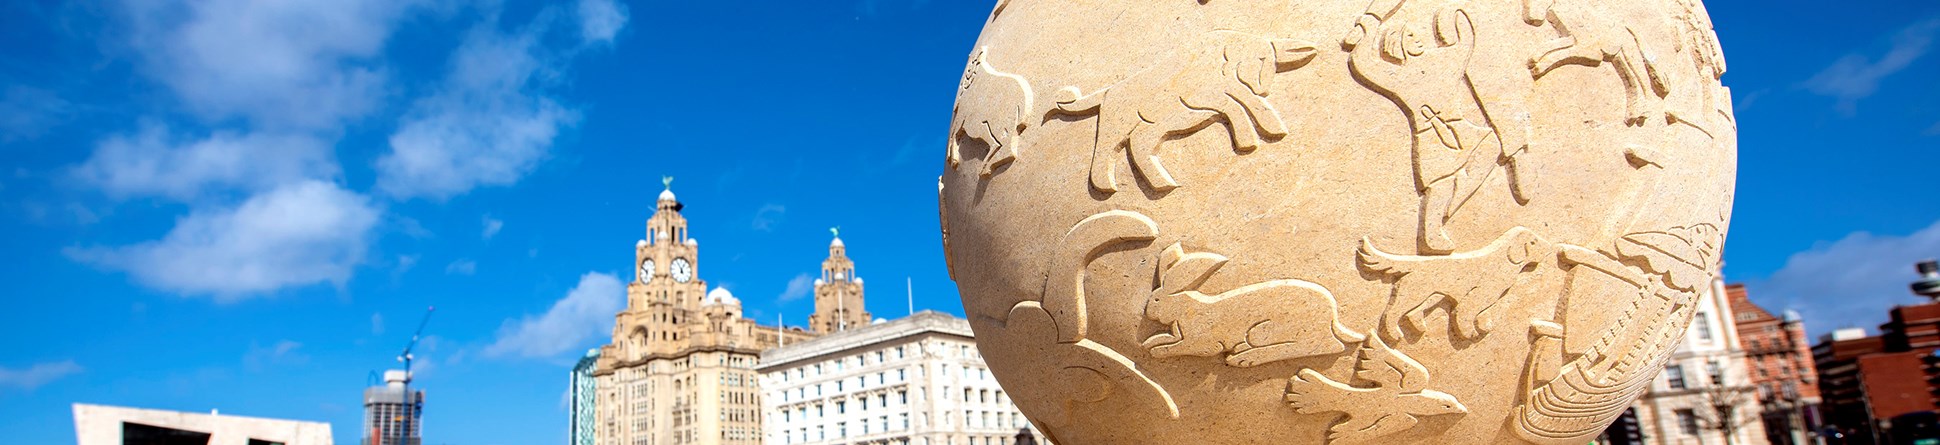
{"x": 1469, "y": 282}
{"x": 1252, "y": 325}
{"x": 1591, "y": 38}
{"x": 1458, "y": 140}
{"x": 1225, "y": 78}
{"x": 998, "y": 120}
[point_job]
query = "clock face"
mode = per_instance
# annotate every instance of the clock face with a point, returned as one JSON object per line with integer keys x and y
{"x": 682, "y": 270}
{"x": 646, "y": 271}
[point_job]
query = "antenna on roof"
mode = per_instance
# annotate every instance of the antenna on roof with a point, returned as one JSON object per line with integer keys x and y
{"x": 909, "y": 285}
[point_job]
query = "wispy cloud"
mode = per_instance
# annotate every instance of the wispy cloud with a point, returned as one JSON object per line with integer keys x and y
{"x": 1850, "y": 282}
{"x": 799, "y": 287}
{"x": 769, "y": 216}
{"x": 156, "y": 163}
{"x": 377, "y": 323}
{"x": 282, "y": 353}
{"x": 27, "y": 112}
{"x": 600, "y": 20}
{"x": 285, "y": 64}
{"x": 492, "y": 226}
{"x": 300, "y": 234}
{"x": 492, "y": 120}
{"x": 1857, "y": 76}
{"x": 584, "y": 315}
{"x": 463, "y": 266}
{"x": 38, "y": 375}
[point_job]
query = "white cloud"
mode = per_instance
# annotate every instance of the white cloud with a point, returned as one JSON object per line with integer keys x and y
{"x": 1856, "y": 76}
{"x": 769, "y": 216}
{"x": 153, "y": 163}
{"x": 600, "y": 20}
{"x": 38, "y": 375}
{"x": 492, "y": 226}
{"x": 801, "y": 286}
{"x": 294, "y": 63}
{"x": 299, "y": 234}
{"x": 585, "y": 314}
{"x": 377, "y": 323}
{"x": 487, "y": 126}
{"x": 1851, "y": 282}
{"x": 462, "y": 267}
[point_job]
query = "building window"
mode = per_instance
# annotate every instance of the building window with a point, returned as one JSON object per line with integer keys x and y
{"x": 1703, "y": 325}
{"x": 1676, "y": 375}
{"x": 1716, "y": 371}
{"x": 1687, "y": 422}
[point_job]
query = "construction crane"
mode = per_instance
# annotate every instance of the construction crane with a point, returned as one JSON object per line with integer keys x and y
{"x": 412, "y": 404}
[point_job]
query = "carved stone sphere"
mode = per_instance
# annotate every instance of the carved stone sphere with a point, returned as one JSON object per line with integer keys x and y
{"x": 1336, "y": 221}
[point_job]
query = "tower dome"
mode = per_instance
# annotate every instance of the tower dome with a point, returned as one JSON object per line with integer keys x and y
{"x": 722, "y": 296}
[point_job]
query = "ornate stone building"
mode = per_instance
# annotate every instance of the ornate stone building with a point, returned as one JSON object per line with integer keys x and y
{"x": 838, "y": 294}
{"x": 680, "y": 369}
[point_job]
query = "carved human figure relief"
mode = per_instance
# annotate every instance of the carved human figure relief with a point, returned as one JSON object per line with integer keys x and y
{"x": 1398, "y": 399}
{"x": 1419, "y": 58}
{"x": 1225, "y": 77}
{"x": 1248, "y": 326}
{"x": 1469, "y": 283}
{"x": 1000, "y": 120}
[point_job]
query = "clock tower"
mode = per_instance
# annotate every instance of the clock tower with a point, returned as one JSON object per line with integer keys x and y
{"x": 838, "y": 294}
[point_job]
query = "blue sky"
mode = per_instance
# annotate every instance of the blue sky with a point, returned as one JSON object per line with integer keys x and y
{"x": 246, "y": 205}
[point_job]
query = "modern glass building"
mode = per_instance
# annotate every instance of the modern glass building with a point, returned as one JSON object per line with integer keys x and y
{"x": 584, "y": 393}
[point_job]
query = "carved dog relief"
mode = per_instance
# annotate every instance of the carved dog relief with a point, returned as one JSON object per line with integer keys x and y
{"x": 1449, "y": 221}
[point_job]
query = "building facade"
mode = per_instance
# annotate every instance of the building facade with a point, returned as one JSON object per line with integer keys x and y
{"x": 393, "y": 413}
{"x": 583, "y": 392}
{"x": 114, "y": 425}
{"x": 1704, "y": 395}
{"x": 680, "y": 367}
{"x": 914, "y": 381}
{"x": 1781, "y": 367}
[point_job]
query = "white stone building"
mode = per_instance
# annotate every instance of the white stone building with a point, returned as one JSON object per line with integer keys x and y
{"x": 1706, "y": 372}
{"x": 114, "y": 425}
{"x": 914, "y": 381}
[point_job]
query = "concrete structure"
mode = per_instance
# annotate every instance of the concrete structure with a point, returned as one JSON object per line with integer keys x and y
{"x": 391, "y": 417}
{"x": 584, "y": 390}
{"x": 914, "y": 381}
{"x": 1780, "y": 361}
{"x": 113, "y": 425}
{"x": 1704, "y": 394}
{"x": 680, "y": 368}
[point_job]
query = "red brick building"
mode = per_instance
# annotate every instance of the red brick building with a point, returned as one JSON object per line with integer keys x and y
{"x": 1779, "y": 361}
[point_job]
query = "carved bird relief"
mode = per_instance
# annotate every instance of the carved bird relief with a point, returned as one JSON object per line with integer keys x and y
{"x": 1251, "y": 325}
{"x": 1396, "y": 403}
